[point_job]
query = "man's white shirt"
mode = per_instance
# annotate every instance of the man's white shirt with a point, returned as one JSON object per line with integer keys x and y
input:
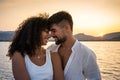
{"x": 81, "y": 64}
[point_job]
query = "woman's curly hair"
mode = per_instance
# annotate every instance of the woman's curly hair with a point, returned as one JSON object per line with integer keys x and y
{"x": 28, "y": 35}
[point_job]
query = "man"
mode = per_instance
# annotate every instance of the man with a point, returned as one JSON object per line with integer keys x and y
{"x": 78, "y": 61}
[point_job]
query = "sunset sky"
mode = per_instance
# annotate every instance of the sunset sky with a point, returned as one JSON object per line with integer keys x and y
{"x": 92, "y": 17}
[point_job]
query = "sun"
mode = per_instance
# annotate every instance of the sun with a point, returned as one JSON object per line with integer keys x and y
{"x": 100, "y": 34}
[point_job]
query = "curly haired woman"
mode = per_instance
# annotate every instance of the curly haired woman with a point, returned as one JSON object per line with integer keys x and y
{"x": 30, "y": 61}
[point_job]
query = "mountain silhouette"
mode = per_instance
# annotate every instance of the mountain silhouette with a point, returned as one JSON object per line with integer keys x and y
{"x": 6, "y": 35}
{"x": 115, "y": 36}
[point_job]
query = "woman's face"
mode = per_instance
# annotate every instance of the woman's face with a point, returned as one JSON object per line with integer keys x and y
{"x": 45, "y": 36}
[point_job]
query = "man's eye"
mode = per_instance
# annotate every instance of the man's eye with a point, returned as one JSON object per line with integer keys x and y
{"x": 53, "y": 31}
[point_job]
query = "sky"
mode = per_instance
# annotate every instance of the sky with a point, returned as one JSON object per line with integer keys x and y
{"x": 91, "y": 17}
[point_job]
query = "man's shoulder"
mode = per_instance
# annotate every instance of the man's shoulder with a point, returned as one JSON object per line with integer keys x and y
{"x": 85, "y": 49}
{"x": 53, "y": 47}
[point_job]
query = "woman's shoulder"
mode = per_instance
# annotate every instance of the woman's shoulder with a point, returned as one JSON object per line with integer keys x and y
{"x": 17, "y": 56}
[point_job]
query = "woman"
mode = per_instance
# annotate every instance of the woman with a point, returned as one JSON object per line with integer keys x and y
{"x": 30, "y": 61}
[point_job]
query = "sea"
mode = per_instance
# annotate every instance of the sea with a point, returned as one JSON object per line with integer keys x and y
{"x": 107, "y": 53}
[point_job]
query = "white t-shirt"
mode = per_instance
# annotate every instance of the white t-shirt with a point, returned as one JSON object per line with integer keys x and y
{"x": 44, "y": 72}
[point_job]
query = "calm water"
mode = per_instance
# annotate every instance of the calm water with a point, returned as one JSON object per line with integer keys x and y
{"x": 108, "y": 58}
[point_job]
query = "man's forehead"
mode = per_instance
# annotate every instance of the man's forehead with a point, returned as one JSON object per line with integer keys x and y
{"x": 53, "y": 29}
{"x": 54, "y": 26}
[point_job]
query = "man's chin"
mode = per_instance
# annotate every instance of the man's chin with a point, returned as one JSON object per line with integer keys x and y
{"x": 58, "y": 42}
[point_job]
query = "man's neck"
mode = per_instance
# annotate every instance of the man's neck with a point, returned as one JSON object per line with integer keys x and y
{"x": 69, "y": 42}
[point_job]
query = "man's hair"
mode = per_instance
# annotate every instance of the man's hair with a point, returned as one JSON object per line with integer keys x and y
{"x": 59, "y": 17}
{"x": 28, "y": 36}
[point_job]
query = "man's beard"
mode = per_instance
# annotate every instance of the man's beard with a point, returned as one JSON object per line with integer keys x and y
{"x": 59, "y": 41}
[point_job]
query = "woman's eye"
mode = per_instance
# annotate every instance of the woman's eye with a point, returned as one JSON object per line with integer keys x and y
{"x": 46, "y": 31}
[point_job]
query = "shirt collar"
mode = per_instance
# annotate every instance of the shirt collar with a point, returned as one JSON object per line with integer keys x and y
{"x": 75, "y": 45}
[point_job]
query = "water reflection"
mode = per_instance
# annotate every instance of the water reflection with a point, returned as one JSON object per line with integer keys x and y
{"x": 108, "y": 59}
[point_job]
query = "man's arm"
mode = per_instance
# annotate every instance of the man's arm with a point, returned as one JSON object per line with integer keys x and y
{"x": 91, "y": 70}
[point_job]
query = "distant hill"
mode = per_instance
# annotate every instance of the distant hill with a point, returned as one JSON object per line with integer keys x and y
{"x": 7, "y": 36}
{"x": 107, "y": 37}
{"x": 84, "y": 37}
{"x": 112, "y": 36}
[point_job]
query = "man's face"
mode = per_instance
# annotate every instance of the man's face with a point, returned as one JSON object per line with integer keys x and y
{"x": 58, "y": 33}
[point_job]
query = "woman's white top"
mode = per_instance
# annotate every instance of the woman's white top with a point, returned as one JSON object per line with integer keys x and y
{"x": 44, "y": 72}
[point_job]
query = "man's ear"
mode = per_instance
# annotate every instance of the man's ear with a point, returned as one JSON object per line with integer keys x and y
{"x": 67, "y": 27}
